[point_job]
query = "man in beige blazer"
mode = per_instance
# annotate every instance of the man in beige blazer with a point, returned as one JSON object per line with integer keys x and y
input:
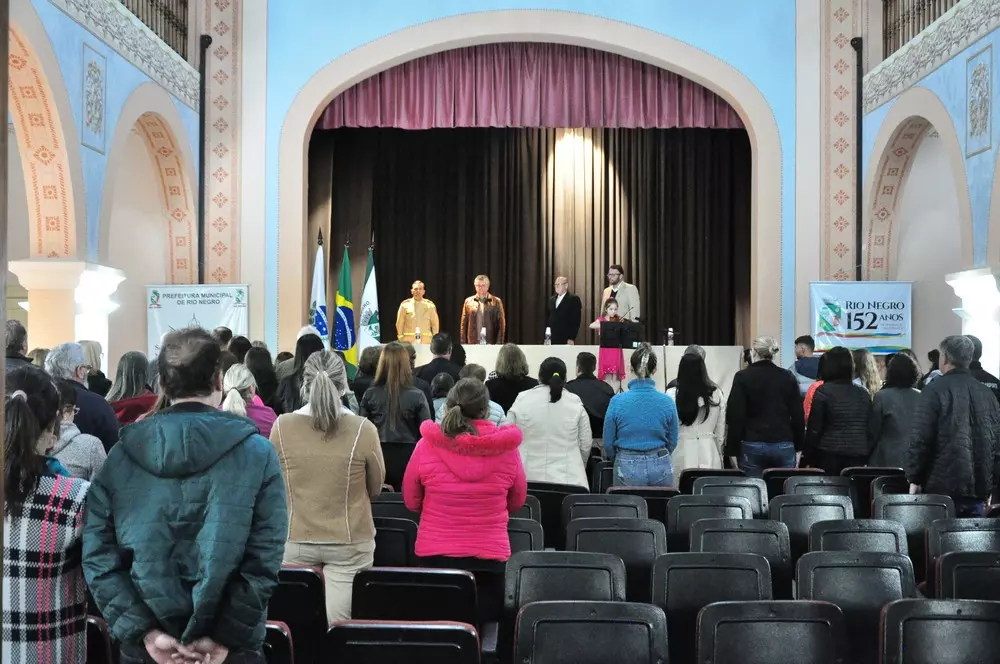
{"x": 627, "y": 295}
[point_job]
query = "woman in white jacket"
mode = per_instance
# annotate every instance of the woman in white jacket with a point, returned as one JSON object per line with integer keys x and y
{"x": 555, "y": 428}
{"x": 701, "y": 409}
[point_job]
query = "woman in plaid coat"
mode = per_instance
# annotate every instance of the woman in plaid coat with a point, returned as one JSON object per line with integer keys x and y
{"x": 44, "y": 601}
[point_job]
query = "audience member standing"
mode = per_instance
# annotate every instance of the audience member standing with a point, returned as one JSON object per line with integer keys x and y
{"x": 564, "y": 314}
{"x": 512, "y": 377}
{"x": 333, "y": 466}
{"x": 594, "y": 393}
{"x": 129, "y": 395}
{"x": 441, "y": 350}
{"x": 764, "y": 413}
{"x": 239, "y": 390}
{"x": 367, "y": 365}
{"x": 95, "y": 415}
{"x": 419, "y": 383}
{"x": 440, "y": 387}
{"x": 641, "y": 428}
{"x": 186, "y": 523}
{"x": 955, "y": 448}
{"x": 36, "y": 356}
{"x": 806, "y": 365}
{"x": 80, "y": 453}
{"x": 556, "y": 430}
{"x": 934, "y": 357}
{"x": 702, "y": 415}
{"x": 239, "y": 347}
{"x": 811, "y": 392}
{"x": 417, "y": 313}
{"x": 496, "y": 414}
{"x": 465, "y": 477}
{"x": 288, "y": 397}
{"x": 392, "y": 403}
{"x": 16, "y": 344}
{"x": 223, "y": 336}
{"x": 97, "y": 382}
{"x": 866, "y": 373}
{"x": 483, "y": 311}
{"x": 44, "y": 598}
{"x": 837, "y": 435}
{"x": 285, "y": 367}
{"x": 894, "y": 409}
{"x": 258, "y": 361}
{"x": 976, "y": 368}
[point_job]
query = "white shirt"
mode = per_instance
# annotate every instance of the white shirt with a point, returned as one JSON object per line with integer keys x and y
{"x": 559, "y": 299}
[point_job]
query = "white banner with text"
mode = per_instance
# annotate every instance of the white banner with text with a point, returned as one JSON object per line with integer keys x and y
{"x": 861, "y": 314}
{"x": 208, "y": 306}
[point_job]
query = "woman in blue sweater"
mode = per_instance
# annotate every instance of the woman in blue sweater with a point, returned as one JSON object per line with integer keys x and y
{"x": 640, "y": 429}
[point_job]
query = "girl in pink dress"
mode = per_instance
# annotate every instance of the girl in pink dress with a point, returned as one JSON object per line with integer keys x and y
{"x": 610, "y": 361}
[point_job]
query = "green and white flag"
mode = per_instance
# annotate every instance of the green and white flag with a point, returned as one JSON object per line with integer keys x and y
{"x": 369, "y": 333}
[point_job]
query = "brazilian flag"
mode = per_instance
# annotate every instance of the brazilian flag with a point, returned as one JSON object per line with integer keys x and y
{"x": 344, "y": 338}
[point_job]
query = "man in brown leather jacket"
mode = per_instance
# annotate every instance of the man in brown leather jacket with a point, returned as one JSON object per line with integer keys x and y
{"x": 483, "y": 310}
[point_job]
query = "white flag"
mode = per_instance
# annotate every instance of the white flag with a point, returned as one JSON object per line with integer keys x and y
{"x": 317, "y": 301}
{"x": 369, "y": 333}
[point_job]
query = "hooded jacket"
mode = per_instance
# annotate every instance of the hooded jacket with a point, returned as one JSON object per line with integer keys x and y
{"x": 80, "y": 453}
{"x": 464, "y": 488}
{"x": 806, "y": 372}
{"x": 130, "y": 410}
{"x": 185, "y": 529}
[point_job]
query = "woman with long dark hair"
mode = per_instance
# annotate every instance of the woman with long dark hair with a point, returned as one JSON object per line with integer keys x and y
{"x": 392, "y": 403}
{"x": 288, "y": 397}
{"x": 837, "y": 433}
{"x": 556, "y": 429}
{"x": 43, "y": 531}
{"x": 890, "y": 427}
{"x": 258, "y": 361}
{"x": 641, "y": 427}
{"x": 701, "y": 414}
{"x": 130, "y": 396}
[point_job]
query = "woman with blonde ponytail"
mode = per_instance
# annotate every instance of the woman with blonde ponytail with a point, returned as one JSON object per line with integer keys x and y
{"x": 332, "y": 465}
{"x": 464, "y": 478}
{"x": 239, "y": 389}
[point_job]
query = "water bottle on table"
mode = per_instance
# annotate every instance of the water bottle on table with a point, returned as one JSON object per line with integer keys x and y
{"x": 548, "y": 336}
{"x": 416, "y": 335}
{"x": 482, "y": 336}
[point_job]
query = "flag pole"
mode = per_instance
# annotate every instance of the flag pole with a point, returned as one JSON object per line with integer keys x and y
{"x": 319, "y": 240}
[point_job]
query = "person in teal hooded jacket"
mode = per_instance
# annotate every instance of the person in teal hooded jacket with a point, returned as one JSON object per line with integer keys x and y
{"x": 186, "y": 522}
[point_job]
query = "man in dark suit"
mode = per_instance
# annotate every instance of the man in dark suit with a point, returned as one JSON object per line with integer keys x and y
{"x": 593, "y": 392}
{"x": 441, "y": 350}
{"x": 564, "y": 314}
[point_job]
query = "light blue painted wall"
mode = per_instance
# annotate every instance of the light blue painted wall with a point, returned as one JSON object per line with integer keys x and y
{"x": 757, "y": 38}
{"x": 67, "y": 38}
{"x": 948, "y": 82}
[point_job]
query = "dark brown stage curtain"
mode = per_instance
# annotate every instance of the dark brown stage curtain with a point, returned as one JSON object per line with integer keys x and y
{"x": 525, "y": 205}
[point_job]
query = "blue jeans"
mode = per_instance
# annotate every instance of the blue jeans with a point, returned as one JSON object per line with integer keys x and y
{"x": 756, "y": 457}
{"x": 968, "y": 508}
{"x": 652, "y": 468}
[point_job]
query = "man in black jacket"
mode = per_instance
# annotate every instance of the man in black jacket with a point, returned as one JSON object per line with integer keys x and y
{"x": 976, "y": 368}
{"x": 564, "y": 314}
{"x": 955, "y": 449}
{"x": 441, "y": 350}
{"x": 16, "y": 344}
{"x": 593, "y": 392}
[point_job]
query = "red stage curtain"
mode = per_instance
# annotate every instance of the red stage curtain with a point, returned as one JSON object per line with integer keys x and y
{"x": 528, "y": 85}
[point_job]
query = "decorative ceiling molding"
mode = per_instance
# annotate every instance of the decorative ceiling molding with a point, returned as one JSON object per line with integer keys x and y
{"x": 115, "y": 25}
{"x": 960, "y": 27}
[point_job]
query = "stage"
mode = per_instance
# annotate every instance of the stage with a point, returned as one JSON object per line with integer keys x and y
{"x": 722, "y": 361}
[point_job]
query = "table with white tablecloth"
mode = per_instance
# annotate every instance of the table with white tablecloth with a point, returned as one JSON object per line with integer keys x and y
{"x": 722, "y": 361}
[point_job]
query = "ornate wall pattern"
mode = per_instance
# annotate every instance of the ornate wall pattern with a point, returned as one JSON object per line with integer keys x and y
{"x": 222, "y": 191}
{"x": 95, "y": 83}
{"x": 42, "y": 146}
{"x": 178, "y": 199}
{"x": 881, "y": 214}
{"x": 842, "y": 20}
{"x": 979, "y": 100}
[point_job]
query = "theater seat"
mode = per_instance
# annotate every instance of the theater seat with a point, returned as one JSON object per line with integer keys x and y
{"x": 556, "y": 576}
{"x": 872, "y": 535}
{"x": 686, "y": 481}
{"x": 390, "y": 505}
{"x": 948, "y": 535}
{"x": 278, "y": 645}
{"x": 968, "y": 575}
{"x": 888, "y": 485}
{"x": 609, "y": 505}
{"x": 685, "y": 583}
{"x": 860, "y": 584}
{"x": 602, "y": 475}
{"x": 395, "y": 540}
{"x": 656, "y": 498}
{"x": 775, "y": 478}
{"x": 591, "y": 633}
{"x": 299, "y": 602}
{"x": 550, "y": 497}
{"x": 862, "y": 478}
{"x": 915, "y": 513}
{"x": 415, "y": 593}
{"x": 391, "y": 642}
{"x": 763, "y": 537}
{"x": 532, "y": 509}
{"x": 684, "y": 511}
{"x": 99, "y": 648}
{"x": 824, "y": 485}
{"x": 638, "y": 542}
{"x": 800, "y": 512}
{"x": 752, "y": 488}
{"x": 771, "y": 633}
{"x": 918, "y": 631}
{"x": 525, "y": 535}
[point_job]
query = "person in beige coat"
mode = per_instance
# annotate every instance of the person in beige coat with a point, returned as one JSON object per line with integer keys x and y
{"x": 626, "y": 294}
{"x": 701, "y": 409}
{"x": 417, "y": 313}
{"x": 332, "y": 465}
{"x": 555, "y": 427}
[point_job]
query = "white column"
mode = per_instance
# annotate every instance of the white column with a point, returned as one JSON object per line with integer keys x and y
{"x": 980, "y": 310}
{"x": 94, "y": 304}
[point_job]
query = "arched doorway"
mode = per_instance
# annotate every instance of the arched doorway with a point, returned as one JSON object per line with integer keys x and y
{"x": 489, "y": 27}
{"x": 918, "y": 212}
